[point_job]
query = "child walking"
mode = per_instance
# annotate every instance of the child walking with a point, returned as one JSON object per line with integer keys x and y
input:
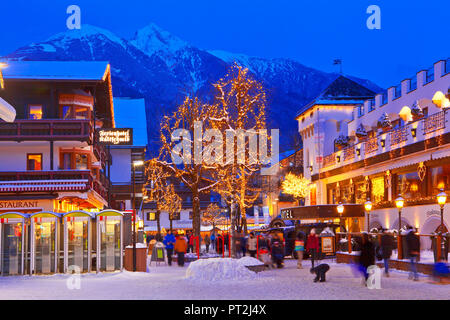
{"x": 299, "y": 248}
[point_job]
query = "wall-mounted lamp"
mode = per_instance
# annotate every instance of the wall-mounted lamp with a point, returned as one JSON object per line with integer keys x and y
{"x": 413, "y": 132}
{"x": 358, "y": 151}
{"x": 338, "y": 158}
{"x": 311, "y": 168}
{"x": 382, "y": 141}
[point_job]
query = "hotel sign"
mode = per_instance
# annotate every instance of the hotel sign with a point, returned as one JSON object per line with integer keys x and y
{"x": 19, "y": 204}
{"x": 115, "y": 136}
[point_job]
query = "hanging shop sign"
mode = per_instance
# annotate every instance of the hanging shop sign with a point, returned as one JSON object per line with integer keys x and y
{"x": 115, "y": 136}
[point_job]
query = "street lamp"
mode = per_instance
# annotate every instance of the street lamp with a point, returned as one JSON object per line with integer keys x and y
{"x": 135, "y": 164}
{"x": 399, "y": 202}
{"x": 340, "y": 210}
{"x": 442, "y": 199}
{"x": 368, "y": 208}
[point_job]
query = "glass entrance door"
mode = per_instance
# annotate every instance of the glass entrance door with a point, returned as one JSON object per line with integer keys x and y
{"x": 12, "y": 248}
{"x": 78, "y": 243}
{"x": 45, "y": 245}
{"x": 110, "y": 244}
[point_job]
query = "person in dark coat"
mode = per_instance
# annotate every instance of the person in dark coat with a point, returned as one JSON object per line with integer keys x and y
{"x": 320, "y": 272}
{"x": 278, "y": 254}
{"x": 386, "y": 245}
{"x": 413, "y": 248}
{"x": 367, "y": 257}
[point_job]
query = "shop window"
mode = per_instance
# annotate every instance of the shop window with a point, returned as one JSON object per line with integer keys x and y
{"x": 360, "y": 192}
{"x": 81, "y": 161}
{"x": 377, "y": 189}
{"x": 151, "y": 216}
{"x": 410, "y": 186}
{"x": 440, "y": 179}
{"x": 34, "y": 161}
{"x": 35, "y": 112}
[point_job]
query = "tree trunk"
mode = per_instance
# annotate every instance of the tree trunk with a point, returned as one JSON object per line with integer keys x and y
{"x": 158, "y": 221}
{"x": 171, "y": 226}
{"x": 196, "y": 212}
{"x": 232, "y": 245}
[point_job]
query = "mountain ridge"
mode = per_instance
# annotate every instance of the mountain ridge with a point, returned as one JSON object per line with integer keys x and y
{"x": 162, "y": 68}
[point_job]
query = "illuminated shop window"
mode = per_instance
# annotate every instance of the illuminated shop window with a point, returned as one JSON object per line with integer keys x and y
{"x": 35, "y": 112}
{"x": 360, "y": 192}
{"x": 440, "y": 179}
{"x": 151, "y": 216}
{"x": 34, "y": 161}
{"x": 377, "y": 189}
{"x": 410, "y": 186}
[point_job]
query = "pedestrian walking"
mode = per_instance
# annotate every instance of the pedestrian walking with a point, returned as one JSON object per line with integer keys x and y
{"x": 386, "y": 245}
{"x": 320, "y": 272}
{"x": 367, "y": 256}
{"x": 169, "y": 241}
{"x": 238, "y": 246}
{"x": 413, "y": 248}
{"x": 312, "y": 245}
{"x": 180, "y": 249}
{"x": 299, "y": 247}
{"x": 207, "y": 241}
{"x": 243, "y": 245}
{"x": 278, "y": 253}
{"x": 190, "y": 242}
{"x": 252, "y": 244}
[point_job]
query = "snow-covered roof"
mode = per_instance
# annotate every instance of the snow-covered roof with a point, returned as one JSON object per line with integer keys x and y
{"x": 130, "y": 113}
{"x": 56, "y": 70}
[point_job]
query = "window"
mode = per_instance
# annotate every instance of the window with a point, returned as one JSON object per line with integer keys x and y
{"x": 410, "y": 186}
{"x": 35, "y": 112}
{"x": 361, "y": 110}
{"x": 440, "y": 179}
{"x": 34, "y": 161}
{"x": 413, "y": 84}
{"x": 65, "y": 112}
{"x": 74, "y": 112}
{"x": 190, "y": 215}
{"x": 66, "y": 161}
{"x": 175, "y": 216}
{"x": 377, "y": 189}
{"x": 151, "y": 216}
{"x": 360, "y": 192}
{"x": 81, "y": 161}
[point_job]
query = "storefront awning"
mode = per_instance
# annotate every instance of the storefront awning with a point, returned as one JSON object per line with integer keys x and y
{"x": 322, "y": 212}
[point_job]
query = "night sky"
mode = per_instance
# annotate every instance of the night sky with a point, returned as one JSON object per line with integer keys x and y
{"x": 413, "y": 35}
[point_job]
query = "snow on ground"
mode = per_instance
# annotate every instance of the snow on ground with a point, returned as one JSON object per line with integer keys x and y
{"x": 218, "y": 269}
{"x": 249, "y": 261}
{"x": 164, "y": 282}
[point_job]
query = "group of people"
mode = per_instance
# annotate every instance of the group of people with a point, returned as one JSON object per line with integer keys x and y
{"x": 383, "y": 251}
{"x": 175, "y": 244}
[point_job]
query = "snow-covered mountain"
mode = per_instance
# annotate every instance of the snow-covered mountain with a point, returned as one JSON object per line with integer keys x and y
{"x": 162, "y": 68}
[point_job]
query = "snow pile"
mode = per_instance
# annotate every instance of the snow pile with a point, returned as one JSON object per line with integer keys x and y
{"x": 249, "y": 261}
{"x": 217, "y": 269}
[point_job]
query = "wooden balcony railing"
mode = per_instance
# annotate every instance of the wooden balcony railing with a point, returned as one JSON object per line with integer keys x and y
{"x": 348, "y": 153}
{"x": 329, "y": 160}
{"x": 399, "y": 135}
{"x": 434, "y": 122}
{"x": 99, "y": 184}
{"x": 371, "y": 145}
{"x": 46, "y": 129}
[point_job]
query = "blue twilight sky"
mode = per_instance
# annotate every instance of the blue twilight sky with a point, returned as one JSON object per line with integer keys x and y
{"x": 413, "y": 35}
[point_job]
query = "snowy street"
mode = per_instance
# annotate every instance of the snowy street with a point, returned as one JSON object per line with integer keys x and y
{"x": 163, "y": 282}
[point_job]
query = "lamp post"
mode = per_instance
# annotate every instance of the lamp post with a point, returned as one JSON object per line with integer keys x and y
{"x": 399, "y": 202}
{"x": 135, "y": 164}
{"x": 368, "y": 208}
{"x": 442, "y": 199}
{"x": 340, "y": 210}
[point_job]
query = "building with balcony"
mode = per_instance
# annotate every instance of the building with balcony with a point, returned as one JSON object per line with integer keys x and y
{"x": 49, "y": 159}
{"x": 395, "y": 143}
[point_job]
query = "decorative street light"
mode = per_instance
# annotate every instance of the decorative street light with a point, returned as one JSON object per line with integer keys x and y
{"x": 340, "y": 210}
{"x": 399, "y": 202}
{"x": 135, "y": 164}
{"x": 368, "y": 208}
{"x": 442, "y": 199}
